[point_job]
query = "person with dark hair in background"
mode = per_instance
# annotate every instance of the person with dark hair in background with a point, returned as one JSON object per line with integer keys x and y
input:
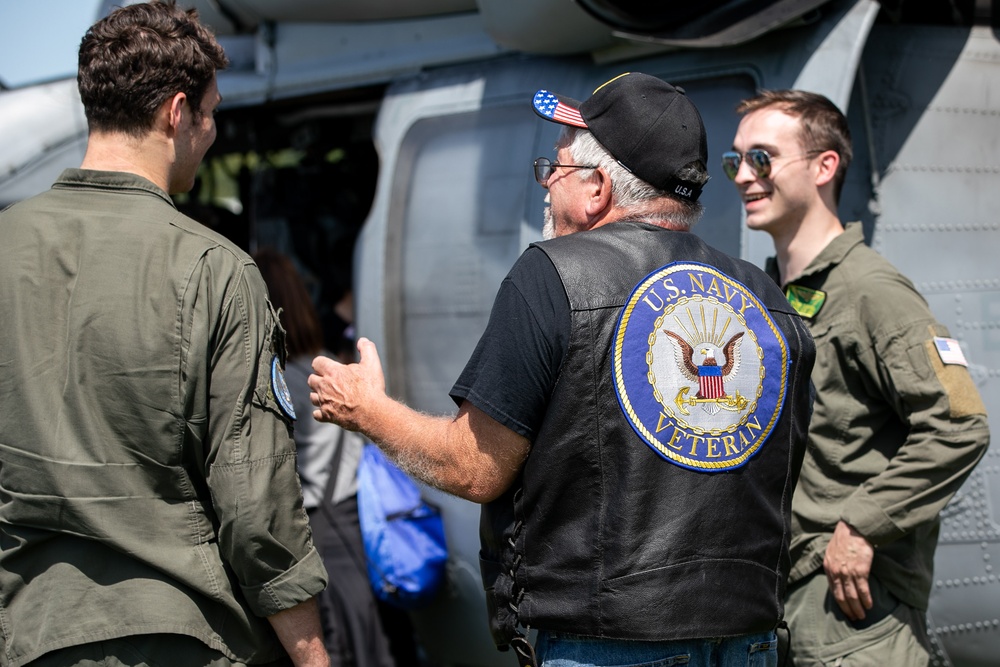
{"x": 898, "y": 423}
{"x": 150, "y": 510}
{"x": 328, "y": 464}
{"x": 632, "y": 419}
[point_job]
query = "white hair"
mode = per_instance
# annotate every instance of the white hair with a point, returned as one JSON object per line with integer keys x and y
{"x": 638, "y": 199}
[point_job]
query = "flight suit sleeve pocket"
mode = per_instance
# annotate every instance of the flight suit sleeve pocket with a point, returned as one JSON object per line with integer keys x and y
{"x": 271, "y": 391}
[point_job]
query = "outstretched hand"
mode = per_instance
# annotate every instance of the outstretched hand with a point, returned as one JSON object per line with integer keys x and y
{"x": 470, "y": 455}
{"x": 848, "y": 562}
{"x": 342, "y": 392}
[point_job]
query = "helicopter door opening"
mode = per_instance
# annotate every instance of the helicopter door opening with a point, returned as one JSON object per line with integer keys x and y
{"x": 297, "y": 177}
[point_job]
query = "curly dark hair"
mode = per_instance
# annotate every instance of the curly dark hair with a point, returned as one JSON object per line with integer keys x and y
{"x": 140, "y": 56}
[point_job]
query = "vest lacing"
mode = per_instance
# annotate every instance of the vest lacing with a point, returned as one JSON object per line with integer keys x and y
{"x": 522, "y": 647}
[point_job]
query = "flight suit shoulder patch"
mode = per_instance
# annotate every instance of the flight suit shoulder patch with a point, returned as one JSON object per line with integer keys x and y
{"x": 951, "y": 369}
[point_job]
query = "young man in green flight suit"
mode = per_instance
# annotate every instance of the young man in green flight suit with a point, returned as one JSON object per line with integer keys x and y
{"x": 898, "y": 423}
{"x": 150, "y": 507}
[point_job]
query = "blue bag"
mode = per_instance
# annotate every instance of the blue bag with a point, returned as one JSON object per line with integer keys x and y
{"x": 403, "y": 534}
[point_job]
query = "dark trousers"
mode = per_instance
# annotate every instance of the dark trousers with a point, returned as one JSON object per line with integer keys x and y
{"x": 352, "y": 628}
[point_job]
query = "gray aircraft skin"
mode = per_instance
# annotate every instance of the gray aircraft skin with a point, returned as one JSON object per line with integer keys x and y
{"x": 407, "y": 127}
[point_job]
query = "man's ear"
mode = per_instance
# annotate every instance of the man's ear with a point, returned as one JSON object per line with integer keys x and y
{"x": 827, "y": 163}
{"x": 175, "y": 108}
{"x": 598, "y": 189}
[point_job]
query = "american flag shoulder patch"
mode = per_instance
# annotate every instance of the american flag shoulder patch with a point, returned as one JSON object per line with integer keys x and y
{"x": 950, "y": 351}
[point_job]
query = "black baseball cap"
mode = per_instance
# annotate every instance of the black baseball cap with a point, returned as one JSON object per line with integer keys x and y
{"x": 649, "y": 126}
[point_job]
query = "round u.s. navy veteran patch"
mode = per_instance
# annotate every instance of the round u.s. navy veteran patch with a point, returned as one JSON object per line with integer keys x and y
{"x": 280, "y": 388}
{"x": 700, "y": 368}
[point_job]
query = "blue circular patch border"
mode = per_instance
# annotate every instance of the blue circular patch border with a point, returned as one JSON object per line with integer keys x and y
{"x": 280, "y": 388}
{"x": 633, "y": 379}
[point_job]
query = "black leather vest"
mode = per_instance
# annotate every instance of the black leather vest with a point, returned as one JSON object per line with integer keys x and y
{"x": 601, "y": 535}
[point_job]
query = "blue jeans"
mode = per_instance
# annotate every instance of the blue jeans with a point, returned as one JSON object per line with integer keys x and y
{"x": 564, "y": 650}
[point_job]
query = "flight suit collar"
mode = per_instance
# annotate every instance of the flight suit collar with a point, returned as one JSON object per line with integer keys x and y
{"x": 836, "y": 251}
{"x": 833, "y": 254}
{"x": 110, "y": 180}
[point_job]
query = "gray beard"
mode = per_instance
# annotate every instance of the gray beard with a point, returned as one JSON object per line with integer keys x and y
{"x": 549, "y": 228}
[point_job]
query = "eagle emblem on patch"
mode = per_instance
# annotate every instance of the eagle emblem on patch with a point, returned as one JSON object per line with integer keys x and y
{"x": 700, "y": 368}
{"x": 280, "y": 388}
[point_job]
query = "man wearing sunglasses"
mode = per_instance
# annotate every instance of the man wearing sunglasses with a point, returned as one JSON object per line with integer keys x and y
{"x": 632, "y": 419}
{"x": 898, "y": 423}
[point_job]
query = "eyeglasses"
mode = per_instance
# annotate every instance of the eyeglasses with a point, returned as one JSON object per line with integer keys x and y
{"x": 758, "y": 159}
{"x": 544, "y": 168}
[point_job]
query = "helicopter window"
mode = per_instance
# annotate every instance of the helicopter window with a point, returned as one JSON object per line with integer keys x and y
{"x": 455, "y": 222}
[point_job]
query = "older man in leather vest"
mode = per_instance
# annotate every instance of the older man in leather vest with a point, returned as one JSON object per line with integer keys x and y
{"x": 634, "y": 416}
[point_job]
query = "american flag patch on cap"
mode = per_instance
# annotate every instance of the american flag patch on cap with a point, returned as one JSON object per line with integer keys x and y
{"x": 549, "y": 106}
{"x": 950, "y": 351}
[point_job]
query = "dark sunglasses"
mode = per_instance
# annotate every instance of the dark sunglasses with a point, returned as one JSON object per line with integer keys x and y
{"x": 758, "y": 159}
{"x": 544, "y": 168}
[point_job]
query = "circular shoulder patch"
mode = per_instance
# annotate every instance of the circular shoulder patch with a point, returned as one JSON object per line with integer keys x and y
{"x": 280, "y": 389}
{"x": 700, "y": 368}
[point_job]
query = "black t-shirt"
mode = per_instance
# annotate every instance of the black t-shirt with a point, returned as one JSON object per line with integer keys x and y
{"x": 511, "y": 374}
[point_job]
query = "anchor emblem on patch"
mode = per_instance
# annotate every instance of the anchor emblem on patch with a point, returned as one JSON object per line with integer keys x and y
{"x": 700, "y": 368}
